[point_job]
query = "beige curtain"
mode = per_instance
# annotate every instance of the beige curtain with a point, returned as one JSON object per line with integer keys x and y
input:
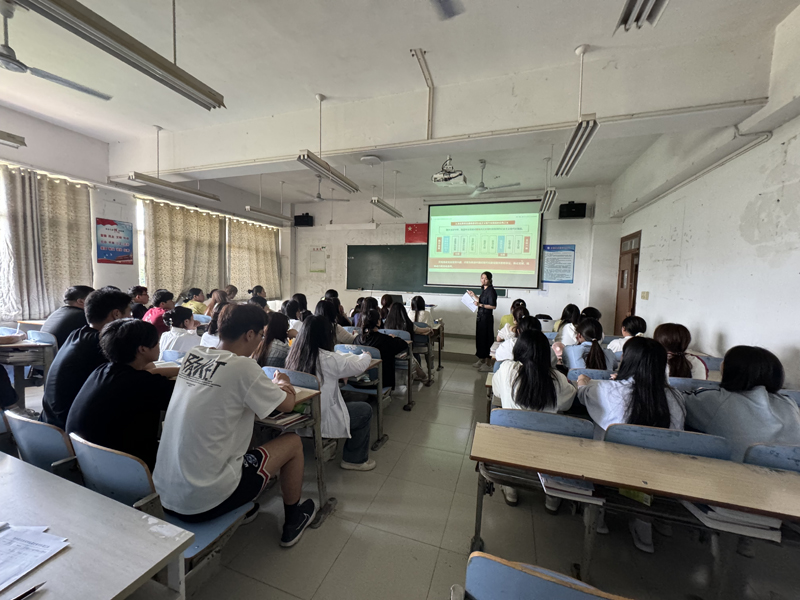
{"x": 253, "y": 257}
{"x": 45, "y": 242}
{"x": 182, "y": 248}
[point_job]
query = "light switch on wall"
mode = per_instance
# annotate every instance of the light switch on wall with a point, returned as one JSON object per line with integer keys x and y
{"x": 645, "y": 295}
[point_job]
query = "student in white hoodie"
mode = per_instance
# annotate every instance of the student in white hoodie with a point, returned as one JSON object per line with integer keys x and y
{"x": 312, "y": 352}
{"x": 748, "y": 408}
{"x": 631, "y": 327}
{"x": 182, "y": 335}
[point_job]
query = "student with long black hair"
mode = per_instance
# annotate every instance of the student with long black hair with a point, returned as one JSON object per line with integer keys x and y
{"x": 312, "y": 352}
{"x": 631, "y": 327}
{"x": 327, "y": 309}
{"x": 421, "y": 314}
{"x": 356, "y": 309}
{"x": 182, "y": 335}
{"x": 506, "y": 350}
{"x": 676, "y": 339}
{"x": 398, "y": 319}
{"x": 565, "y": 326}
{"x": 367, "y": 304}
{"x": 302, "y": 302}
{"x": 589, "y": 354}
{"x": 389, "y": 346}
{"x": 210, "y": 338}
{"x": 386, "y": 304}
{"x": 274, "y": 346}
{"x": 590, "y": 312}
{"x": 341, "y": 319}
{"x": 748, "y": 408}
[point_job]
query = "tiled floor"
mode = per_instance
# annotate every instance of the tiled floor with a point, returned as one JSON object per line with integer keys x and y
{"x": 403, "y": 530}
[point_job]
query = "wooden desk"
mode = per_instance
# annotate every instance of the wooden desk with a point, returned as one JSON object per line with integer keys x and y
{"x": 26, "y": 354}
{"x": 32, "y": 322}
{"x": 113, "y": 549}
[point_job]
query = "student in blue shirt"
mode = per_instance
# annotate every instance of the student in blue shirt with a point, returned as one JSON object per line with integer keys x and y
{"x": 589, "y": 354}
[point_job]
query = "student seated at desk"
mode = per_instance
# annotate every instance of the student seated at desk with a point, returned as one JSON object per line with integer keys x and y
{"x": 80, "y": 354}
{"x": 195, "y": 301}
{"x": 676, "y": 339}
{"x": 216, "y": 297}
{"x": 388, "y": 345}
{"x": 292, "y": 311}
{"x": 327, "y": 310}
{"x": 182, "y": 335}
{"x": 509, "y": 318}
{"x": 341, "y": 318}
{"x": 356, "y": 309}
{"x": 747, "y": 409}
{"x": 640, "y": 395}
{"x": 274, "y": 347}
{"x": 230, "y": 292}
{"x": 260, "y": 302}
{"x": 565, "y": 326}
{"x": 210, "y": 338}
{"x": 386, "y": 304}
{"x": 258, "y": 291}
{"x": 631, "y": 327}
{"x": 119, "y": 406}
{"x": 421, "y": 315}
{"x": 8, "y": 395}
{"x": 312, "y": 352}
{"x": 163, "y": 300}
{"x": 71, "y": 316}
{"x": 141, "y": 299}
{"x": 509, "y": 330}
{"x": 590, "y": 312}
{"x": 506, "y": 350}
{"x": 367, "y": 304}
{"x": 530, "y": 382}
{"x": 205, "y": 466}
{"x": 398, "y": 319}
{"x": 302, "y": 302}
{"x": 589, "y": 354}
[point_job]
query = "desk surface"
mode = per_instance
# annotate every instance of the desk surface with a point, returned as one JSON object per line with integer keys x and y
{"x": 113, "y": 548}
{"x": 32, "y": 322}
{"x": 304, "y": 394}
{"x": 719, "y": 482}
{"x": 24, "y": 345}
{"x": 489, "y": 378}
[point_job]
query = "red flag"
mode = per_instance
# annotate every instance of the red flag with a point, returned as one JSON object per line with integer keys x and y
{"x": 416, "y": 233}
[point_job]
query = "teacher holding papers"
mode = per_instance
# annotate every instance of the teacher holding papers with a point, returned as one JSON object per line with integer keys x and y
{"x": 484, "y": 326}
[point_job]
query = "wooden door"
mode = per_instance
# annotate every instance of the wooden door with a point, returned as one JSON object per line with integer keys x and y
{"x": 627, "y": 278}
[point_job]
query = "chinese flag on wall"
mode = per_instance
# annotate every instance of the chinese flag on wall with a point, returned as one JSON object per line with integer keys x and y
{"x": 416, "y": 233}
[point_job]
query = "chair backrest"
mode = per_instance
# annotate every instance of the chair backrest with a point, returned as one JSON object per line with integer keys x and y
{"x": 602, "y": 374}
{"x": 618, "y": 355}
{"x": 114, "y": 474}
{"x": 551, "y": 335}
{"x": 793, "y": 394}
{"x": 304, "y": 380}
{"x": 490, "y": 577}
{"x": 496, "y": 366}
{"x": 773, "y": 457}
{"x": 669, "y": 440}
{"x": 8, "y": 331}
{"x": 712, "y": 363}
{"x": 39, "y": 444}
{"x": 172, "y": 356}
{"x": 402, "y": 334}
{"x": 547, "y": 325}
{"x": 43, "y": 337}
{"x": 610, "y": 338}
{"x": 421, "y": 325}
{"x": 684, "y": 384}
{"x": 544, "y": 422}
{"x": 204, "y": 319}
{"x": 351, "y": 329}
{"x": 356, "y": 349}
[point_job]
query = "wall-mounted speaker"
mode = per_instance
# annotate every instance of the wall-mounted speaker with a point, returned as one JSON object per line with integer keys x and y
{"x": 572, "y": 210}
{"x": 306, "y": 220}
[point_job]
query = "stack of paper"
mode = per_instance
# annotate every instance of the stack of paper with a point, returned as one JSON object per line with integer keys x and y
{"x": 570, "y": 489}
{"x": 284, "y": 420}
{"x": 22, "y": 549}
{"x": 734, "y": 521}
{"x": 467, "y": 300}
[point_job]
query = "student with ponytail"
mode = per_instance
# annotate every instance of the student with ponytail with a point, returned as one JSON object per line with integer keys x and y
{"x": 181, "y": 336}
{"x": 565, "y": 326}
{"x": 258, "y": 291}
{"x": 589, "y": 354}
{"x": 676, "y": 339}
{"x": 388, "y": 345}
{"x": 195, "y": 301}
{"x": 509, "y": 330}
{"x": 506, "y": 350}
{"x": 210, "y": 338}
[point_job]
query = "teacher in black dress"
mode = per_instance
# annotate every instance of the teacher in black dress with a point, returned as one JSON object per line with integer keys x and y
{"x": 484, "y": 326}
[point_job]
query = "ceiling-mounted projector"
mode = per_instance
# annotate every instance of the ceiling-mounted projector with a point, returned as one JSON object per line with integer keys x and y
{"x": 449, "y": 176}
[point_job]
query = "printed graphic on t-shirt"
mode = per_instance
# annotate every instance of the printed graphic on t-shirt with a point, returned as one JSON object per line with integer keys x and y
{"x": 199, "y": 370}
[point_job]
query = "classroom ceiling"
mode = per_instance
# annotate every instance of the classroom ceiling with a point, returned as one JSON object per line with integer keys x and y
{"x": 269, "y": 57}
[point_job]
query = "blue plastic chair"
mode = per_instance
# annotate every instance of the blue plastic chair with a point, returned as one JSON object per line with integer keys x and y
{"x": 600, "y": 374}
{"x": 375, "y": 379}
{"x": 7, "y": 444}
{"x": 43, "y": 338}
{"x": 618, "y": 355}
{"x": 712, "y": 363}
{"x": 684, "y": 384}
{"x": 669, "y": 440}
{"x": 496, "y": 366}
{"x": 610, "y": 338}
{"x": 351, "y": 329}
{"x": 172, "y": 356}
{"x": 204, "y": 319}
{"x": 8, "y": 331}
{"x": 541, "y": 421}
{"x": 297, "y": 378}
{"x": 492, "y": 578}
{"x": 793, "y": 394}
{"x": 127, "y": 479}
{"x": 773, "y": 457}
{"x": 551, "y": 336}
{"x": 39, "y": 444}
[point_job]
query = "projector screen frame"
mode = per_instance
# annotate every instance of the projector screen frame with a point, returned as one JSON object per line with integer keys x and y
{"x": 539, "y": 240}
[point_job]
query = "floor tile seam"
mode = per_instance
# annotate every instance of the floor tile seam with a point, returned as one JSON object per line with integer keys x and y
{"x": 273, "y": 586}
{"x": 405, "y": 537}
{"x": 461, "y": 454}
{"x": 336, "y": 559}
{"x": 418, "y": 483}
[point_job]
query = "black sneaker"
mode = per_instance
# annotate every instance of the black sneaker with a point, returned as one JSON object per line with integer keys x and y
{"x": 251, "y": 514}
{"x": 294, "y": 529}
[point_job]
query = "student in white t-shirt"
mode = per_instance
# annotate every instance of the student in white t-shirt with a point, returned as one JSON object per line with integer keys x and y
{"x": 210, "y": 338}
{"x": 205, "y": 466}
{"x": 506, "y": 350}
{"x": 418, "y": 313}
{"x": 182, "y": 335}
{"x": 631, "y": 327}
{"x": 509, "y": 330}
{"x": 676, "y": 339}
{"x": 565, "y": 326}
{"x": 292, "y": 311}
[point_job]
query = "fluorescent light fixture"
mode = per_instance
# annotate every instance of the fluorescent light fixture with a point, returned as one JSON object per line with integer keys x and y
{"x": 387, "y": 208}
{"x": 172, "y": 188}
{"x": 271, "y": 215}
{"x": 93, "y": 28}
{"x": 548, "y": 199}
{"x": 583, "y": 134}
{"x": 639, "y": 12}
{"x": 320, "y": 167}
{"x": 9, "y": 139}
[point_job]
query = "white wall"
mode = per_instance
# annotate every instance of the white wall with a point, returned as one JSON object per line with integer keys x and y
{"x": 721, "y": 255}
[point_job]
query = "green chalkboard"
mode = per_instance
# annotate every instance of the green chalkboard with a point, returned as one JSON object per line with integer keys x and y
{"x": 398, "y": 268}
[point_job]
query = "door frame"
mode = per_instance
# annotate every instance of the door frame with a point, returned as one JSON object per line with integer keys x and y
{"x": 628, "y": 245}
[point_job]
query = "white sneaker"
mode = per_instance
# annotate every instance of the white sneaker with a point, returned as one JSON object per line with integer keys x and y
{"x": 642, "y": 533}
{"x": 365, "y": 466}
{"x": 510, "y": 495}
{"x": 400, "y": 390}
{"x": 485, "y": 368}
{"x": 477, "y": 364}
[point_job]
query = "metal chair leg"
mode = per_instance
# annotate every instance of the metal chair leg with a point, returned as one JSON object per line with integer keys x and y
{"x": 476, "y": 545}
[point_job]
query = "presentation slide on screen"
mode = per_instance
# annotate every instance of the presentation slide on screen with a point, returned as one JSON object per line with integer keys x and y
{"x": 466, "y": 239}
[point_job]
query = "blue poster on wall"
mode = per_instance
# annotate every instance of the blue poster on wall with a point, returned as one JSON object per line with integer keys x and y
{"x": 114, "y": 242}
{"x": 558, "y": 263}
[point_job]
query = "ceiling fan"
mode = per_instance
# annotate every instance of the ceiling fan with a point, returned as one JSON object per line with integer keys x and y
{"x": 448, "y": 9}
{"x": 481, "y": 187}
{"x": 9, "y": 61}
{"x": 319, "y": 198}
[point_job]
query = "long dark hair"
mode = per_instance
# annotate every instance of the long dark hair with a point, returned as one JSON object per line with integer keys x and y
{"x": 291, "y": 309}
{"x": 398, "y": 319}
{"x": 386, "y": 304}
{"x": 592, "y": 331}
{"x": 213, "y": 326}
{"x": 489, "y": 277}
{"x": 746, "y": 367}
{"x": 277, "y": 329}
{"x": 570, "y": 314}
{"x": 301, "y": 300}
{"x": 316, "y": 335}
{"x": 534, "y": 386}
{"x": 645, "y": 361}
{"x": 357, "y": 307}
{"x": 369, "y": 320}
{"x": 528, "y": 324}
{"x": 337, "y": 305}
{"x": 177, "y": 316}
{"x": 519, "y": 313}
{"x": 418, "y": 306}
{"x": 367, "y": 304}
{"x": 516, "y": 303}
{"x": 327, "y": 310}
{"x": 590, "y": 312}
{"x": 676, "y": 339}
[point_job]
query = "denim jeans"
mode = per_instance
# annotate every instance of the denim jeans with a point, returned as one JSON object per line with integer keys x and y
{"x": 356, "y": 449}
